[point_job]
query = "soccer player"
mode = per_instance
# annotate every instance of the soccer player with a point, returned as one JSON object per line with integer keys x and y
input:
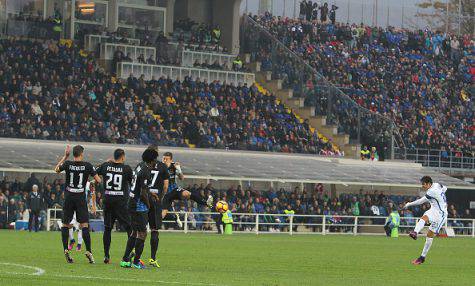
{"x": 76, "y": 227}
{"x": 436, "y": 215}
{"x": 77, "y": 175}
{"x": 139, "y": 206}
{"x": 116, "y": 179}
{"x": 177, "y": 193}
{"x": 158, "y": 186}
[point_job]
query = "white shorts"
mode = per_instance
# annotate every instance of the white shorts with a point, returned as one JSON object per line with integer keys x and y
{"x": 437, "y": 219}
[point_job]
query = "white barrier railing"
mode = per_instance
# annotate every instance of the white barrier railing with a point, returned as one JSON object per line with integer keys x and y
{"x": 203, "y": 48}
{"x": 289, "y": 224}
{"x": 108, "y": 50}
{"x": 189, "y": 58}
{"x": 91, "y": 41}
{"x": 125, "y": 69}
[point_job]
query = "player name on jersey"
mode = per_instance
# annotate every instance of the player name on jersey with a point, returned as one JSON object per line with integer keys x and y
{"x": 114, "y": 169}
{"x": 77, "y": 168}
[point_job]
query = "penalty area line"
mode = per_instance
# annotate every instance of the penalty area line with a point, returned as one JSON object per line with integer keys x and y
{"x": 39, "y": 271}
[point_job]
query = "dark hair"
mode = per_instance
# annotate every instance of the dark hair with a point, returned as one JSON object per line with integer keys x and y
{"x": 118, "y": 153}
{"x": 77, "y": 150}
{"x": 149, "y": 155}
{"x": 154, "y": 147}
{"x": 168, "y": 154}
{"x": 426, "y": 180}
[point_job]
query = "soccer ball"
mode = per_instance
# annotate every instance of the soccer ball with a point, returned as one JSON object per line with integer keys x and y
{"x": 222, "y": 206}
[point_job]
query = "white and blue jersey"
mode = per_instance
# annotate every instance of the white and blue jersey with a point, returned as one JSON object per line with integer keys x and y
{"x": 437, "y": 213}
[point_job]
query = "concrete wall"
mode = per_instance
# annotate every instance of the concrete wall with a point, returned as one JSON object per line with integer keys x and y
{"x": 197, "y": 10}
{"x": 226, "y": 15}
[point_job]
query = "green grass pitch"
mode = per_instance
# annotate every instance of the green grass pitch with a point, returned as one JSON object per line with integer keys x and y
{"x": 245, "y": 259}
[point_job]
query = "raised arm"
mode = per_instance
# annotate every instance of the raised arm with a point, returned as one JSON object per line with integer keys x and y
{"x": 179, "y": 172}
{"x": 416, "y": 202}
{"x": 57, "y": 169}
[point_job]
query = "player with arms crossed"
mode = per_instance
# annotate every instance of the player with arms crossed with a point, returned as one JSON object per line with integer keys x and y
{"x": 116, "y": 179}
{"x": 436, "y": 215}
{"x": 138, "y": 208}
{"x": 177, "y": 193}
{"x": 158, "y": 186}
{"x": 77, "y": 175}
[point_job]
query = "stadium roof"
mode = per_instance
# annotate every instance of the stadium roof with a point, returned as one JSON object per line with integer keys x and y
{"x": 22, "y": 155}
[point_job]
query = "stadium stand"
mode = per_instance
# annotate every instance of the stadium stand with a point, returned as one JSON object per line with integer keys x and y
{"x": 45, "y": 82}
{"x": 423, "y": 80}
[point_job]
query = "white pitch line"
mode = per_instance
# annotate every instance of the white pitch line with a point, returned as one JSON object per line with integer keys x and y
{"x": 38, "y": 272}
{"x": 131, "y": 280}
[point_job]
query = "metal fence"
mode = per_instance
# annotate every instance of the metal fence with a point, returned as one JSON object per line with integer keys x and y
{"x": 92, "y": 41}
{"x": 125, "y": 69}
{"x": 439, "y": 159}
{"x": 362, "y": 125}
{"x": 189, "y": 58}
{"x": 108, "y": 50}
{"x": 287, "y": 224}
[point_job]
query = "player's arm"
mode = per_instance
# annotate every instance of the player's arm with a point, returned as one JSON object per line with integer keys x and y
{"x": 97, "y": 179}
{"x": 92, "y": 197}
{"x": 59, "y": 167}
{"x": 179, "y": 172}
{"x": 145, "y": 190}
{"x": 416, "y": 202}
{"x": 166, "y": 182}
{"x": 165, "y": 188}
{"x": 144, "y": 194}
{"x": 93, "y": 173}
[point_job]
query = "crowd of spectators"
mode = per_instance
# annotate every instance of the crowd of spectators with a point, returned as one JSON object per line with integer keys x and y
{"x": 46, "y": 93}
{"x": 14, "y": 193}
{"x": 422, "y": 79}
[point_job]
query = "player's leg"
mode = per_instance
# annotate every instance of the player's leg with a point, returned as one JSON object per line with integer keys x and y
{"x": 80, "y": 239}
{"x": 128, "y": 249}
{"x": 168, "y": 199}
{"x": 82, "y": 216}
{"x": 135, "y": 227}
{"x": 437, "y": 221}
{"x": 155, "y": 222}
{"x": 419, "y": 225}
{"x": 167, "y": 202}
{"x": 140, "y": 240}
{"x": 108, "y": 225}
{"x": 68, "y": 212}
{"x": 123, "y": 217}
{"x": 72, "y": 241}
{"x": 195, "y": 196}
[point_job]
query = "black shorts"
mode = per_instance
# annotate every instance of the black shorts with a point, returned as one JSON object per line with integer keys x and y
{"x": 75, "y": 202}
{"x": 171, "y": 196}
{"x": 155, "y": 216}
{"x": 138, "y": 220}
{"x": 115, "y": 208}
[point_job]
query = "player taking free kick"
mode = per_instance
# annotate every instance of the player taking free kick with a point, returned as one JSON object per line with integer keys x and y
{"x": 436, "y": 215}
